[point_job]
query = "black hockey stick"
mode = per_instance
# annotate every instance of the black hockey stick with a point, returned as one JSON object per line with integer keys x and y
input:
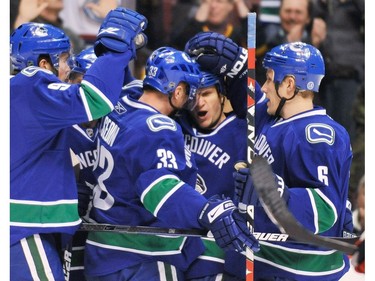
{"x": 151, "y": 230}
{"x": 277, "y": 210}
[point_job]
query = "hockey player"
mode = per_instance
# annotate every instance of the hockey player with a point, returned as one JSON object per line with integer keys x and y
{"x": 43, "y": 192}
{"x": 212, "y": 136}
{"x": 312, "y": 154}
{"x": 82, "y": 139}
{"x": 146, "y": 176}
{"x": 309, "y": 151}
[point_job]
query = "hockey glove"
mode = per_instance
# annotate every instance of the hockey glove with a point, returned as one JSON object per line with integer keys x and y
{"x": 228, "y": 227}
{"x": 84, "y": 198}
{"x": 119, "y": 30}
{"x": 218, "y": 54}
{"x": 244, "y": 190}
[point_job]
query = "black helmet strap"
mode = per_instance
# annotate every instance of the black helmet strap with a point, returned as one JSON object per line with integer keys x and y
{"x": 282, "y": 99}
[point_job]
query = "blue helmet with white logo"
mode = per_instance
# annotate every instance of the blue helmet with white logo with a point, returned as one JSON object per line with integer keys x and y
{"x": 30, "y": 40}
{"x": 167, "y": 67}
{"x": 84, "y": 60}
{"x": 301, "y": 60}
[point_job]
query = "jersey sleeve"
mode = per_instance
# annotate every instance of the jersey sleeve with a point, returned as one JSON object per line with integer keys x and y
{"x": 167, "y": 174}
{"x": 319, "y": 177}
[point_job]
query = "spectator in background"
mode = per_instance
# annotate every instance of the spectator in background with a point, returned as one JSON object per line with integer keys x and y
{"x": 218, "y": 16}
{"x": 296, "y": 24}
{"x": 359, "y": 211}
{"x": 358, "y": 259}
{"x": 358, "y": 145}
{"x": 85, "y": 16}
{"x": 343, "y": 51}
{"x": 44, "y": 12}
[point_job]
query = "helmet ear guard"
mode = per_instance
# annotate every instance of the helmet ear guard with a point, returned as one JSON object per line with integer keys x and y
{"x": 30, "y": 40}
{"x": 302, "y": 61}
{"x": 167, "y": 67}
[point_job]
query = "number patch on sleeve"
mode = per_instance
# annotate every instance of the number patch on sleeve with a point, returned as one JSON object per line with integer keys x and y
{"x": 167, "y": 159}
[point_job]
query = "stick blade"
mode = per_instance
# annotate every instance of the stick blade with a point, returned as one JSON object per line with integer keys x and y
{"x": 278, "y": 212}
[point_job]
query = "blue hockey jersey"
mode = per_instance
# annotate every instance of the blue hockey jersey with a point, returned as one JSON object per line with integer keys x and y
{"x": 43, "y": 193}
{"x": 215, "y": 154}
{"x": 312, "y": 153}
{"x": 146, "y": 176}
{"x": 83, "y": 143}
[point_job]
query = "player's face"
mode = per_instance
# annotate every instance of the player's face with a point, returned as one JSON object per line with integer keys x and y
{"x": 209, "y": 108}
{"x": 269, "y": 89}
{"x": 64, "y": 68}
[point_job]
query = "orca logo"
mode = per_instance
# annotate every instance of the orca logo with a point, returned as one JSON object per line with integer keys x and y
{"x": 318, "y": 132}
{"x": 160, "y": 122}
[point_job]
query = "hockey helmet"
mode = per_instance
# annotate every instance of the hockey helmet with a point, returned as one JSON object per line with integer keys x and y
{"x": 84, "y": 60}
{"x": 30, "y": 40}
{"x": 209, "y": 79}
{"x": 167, "y": 67}
{"x": 297, "y": 59}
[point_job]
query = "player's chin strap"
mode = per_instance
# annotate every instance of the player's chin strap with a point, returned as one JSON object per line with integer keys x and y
{"x": 282, "y": 99}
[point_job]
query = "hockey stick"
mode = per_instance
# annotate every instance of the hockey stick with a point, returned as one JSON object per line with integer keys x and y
{"x": 150, "y": 230}
{"x": 277, "y": 210}
{"x": 250, "y": 119}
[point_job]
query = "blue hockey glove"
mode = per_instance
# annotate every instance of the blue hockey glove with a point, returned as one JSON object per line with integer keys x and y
{"x": 228, "y": 227}
{"x": 244, "y": 190}
{"x": 84, "y": 198}
{"x": 218, "y": 54}
{"x": 120, "y": 31}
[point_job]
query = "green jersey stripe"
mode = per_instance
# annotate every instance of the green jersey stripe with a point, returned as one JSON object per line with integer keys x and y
{"x": 300, "y": 261}
{"x": 324, "y": 209}
{"x": 30, "y": 212}
{"x": 96, "y": 103}
{"x": 158, "y": 193}
{"x": 145, "y": 244}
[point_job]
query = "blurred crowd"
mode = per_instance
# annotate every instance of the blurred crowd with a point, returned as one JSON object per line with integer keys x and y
{"x": 335, "y": 27}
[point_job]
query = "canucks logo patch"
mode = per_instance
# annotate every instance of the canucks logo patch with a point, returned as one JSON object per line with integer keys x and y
{"x": 318, "y": 132}
{"x": 160, "y": 122}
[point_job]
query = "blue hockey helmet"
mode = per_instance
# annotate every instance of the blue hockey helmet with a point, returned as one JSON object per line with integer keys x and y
{"x": 209, "y": 79}
{"x": 84, "y": 60}
{"x": 30, "y": 40}
{"x": 300, "y": 60}
{"x": 167, "y": 67}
